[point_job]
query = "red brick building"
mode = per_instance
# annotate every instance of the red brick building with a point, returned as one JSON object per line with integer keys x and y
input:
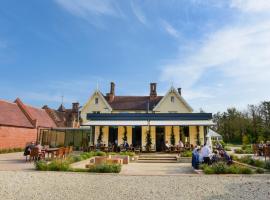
{"x": 20, "y": 123}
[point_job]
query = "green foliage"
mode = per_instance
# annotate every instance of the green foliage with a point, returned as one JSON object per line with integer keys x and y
{"x": 64, "y": 164}
{"x": 124, "y": 138}
{"x": 249, "y": 126}
{"x": 172, "y": 138}
{"x": 55, "y": 165}
{"x": 223, "y": 168}
{"x": 127, "y": 153}
{"x": 11, "y": 150}
{"x": 186, "y": 154}
{"x": 245, "y": 140}
{"x": 245, "y": 149}
{"x": 257, "y": 163}
{"x": 148, "y": 140}
{"x": 259, "y": 171}
{"x": 105, "y": 168}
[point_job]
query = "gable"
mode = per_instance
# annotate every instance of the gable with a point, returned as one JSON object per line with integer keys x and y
{"x": 178, "y": 105}
{"x": 102, "y": 106}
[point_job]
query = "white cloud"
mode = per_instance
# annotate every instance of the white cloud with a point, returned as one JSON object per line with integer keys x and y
{"x": 169, "y": 29}
{"x": 240, "y": 53}
{"x": 138, "y": 13}
{"x": 251, "y": 5}
{"x": 88, "y": 8}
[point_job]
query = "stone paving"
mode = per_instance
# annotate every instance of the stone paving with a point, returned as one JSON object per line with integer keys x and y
{"x": 14, "y": 162}
{"x": 157, "y": 169}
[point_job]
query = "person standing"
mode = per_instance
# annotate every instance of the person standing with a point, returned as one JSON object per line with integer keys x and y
{"x": 206, "y": 152}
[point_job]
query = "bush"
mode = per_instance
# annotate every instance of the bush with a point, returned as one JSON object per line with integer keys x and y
{"x": 223, "y": 168}
{"x": 267, "y": 165}
{"x": 58, "y": 165}
{"x": 127, "y": 153}
{"x": 259, "y": 171}
{"x": 227, "y": 149}
{"x": 105, "y": 168}
{"x": 186, "y": 154}
{"x": 11, "y": 150}
{"x": 41, "y": 165}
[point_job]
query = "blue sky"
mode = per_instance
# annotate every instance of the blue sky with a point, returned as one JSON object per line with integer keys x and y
{"x": 217, "y": 51}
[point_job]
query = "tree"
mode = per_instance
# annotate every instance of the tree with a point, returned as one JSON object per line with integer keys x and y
{"x": 172, "y": 137}
{"x": 148, "y": 141}
{"x": 124, "y": 138}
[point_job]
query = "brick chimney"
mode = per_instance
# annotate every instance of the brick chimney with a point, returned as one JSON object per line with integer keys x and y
{"x": 179, "y": 90}
{"x": 75, "y": 106}
{"x": 111, "y": 95}
{"x": 153, "y": 90}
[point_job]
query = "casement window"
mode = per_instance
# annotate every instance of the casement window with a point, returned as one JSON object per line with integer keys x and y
{"x": 96, "y": 100}
{"x": 172, "y": 99}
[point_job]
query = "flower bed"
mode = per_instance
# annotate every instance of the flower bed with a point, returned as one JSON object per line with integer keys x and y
{"x": 253, "y": 162}
{"x": 223, "y": 168}
{"x": 64, "y": 164}
{"x": 186, "y": 154}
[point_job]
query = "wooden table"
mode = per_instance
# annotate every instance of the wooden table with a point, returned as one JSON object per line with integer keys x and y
{"x": 51, "y": 151}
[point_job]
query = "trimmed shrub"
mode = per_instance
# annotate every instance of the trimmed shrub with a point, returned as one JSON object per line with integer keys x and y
{"x": 58, "y": 165}
{"x": 105, "y": 168}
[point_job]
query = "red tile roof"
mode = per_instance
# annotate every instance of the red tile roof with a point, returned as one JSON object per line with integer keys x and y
{"x": 133, "y": 102}
{"x": 43, "y": 119}
{"x": 11, "y": 115}
{"x": 19, "y": 114}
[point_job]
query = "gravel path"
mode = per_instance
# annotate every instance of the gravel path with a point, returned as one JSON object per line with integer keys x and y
{"x": 25, "y": 185}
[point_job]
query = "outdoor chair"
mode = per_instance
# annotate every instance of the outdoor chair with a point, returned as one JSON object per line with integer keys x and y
{"x": 255, "y": 149}
{"x": 36, "y": 155}
{"x": 60, "y": 153}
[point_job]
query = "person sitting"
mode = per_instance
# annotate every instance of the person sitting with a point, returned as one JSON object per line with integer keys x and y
{"x": 167, "y": 145}
{"x": 27, "y": 149}
{"x": 180, "y": 144}
{"x": 206, "y": 152}
{"x": 260, "y": 148}
{"x": 126, "y": 145}
{"x": 215, "y": 157}
{"x": 219, "y": 146}
{"x": 226, "y": 156}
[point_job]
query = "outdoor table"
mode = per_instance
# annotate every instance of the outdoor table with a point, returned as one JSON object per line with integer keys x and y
{"x": 51, "y": 151}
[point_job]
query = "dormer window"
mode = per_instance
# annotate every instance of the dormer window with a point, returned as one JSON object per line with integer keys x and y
{"x": 172, "y": 99}
{"x": 96, "y": 100}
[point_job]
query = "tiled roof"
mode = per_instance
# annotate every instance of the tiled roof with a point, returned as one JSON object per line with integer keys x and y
{"x": 133, "y": 102}
{"x": 43, "y": 119}
{"x": 11, "y": 115}
{"x": 21, "y": 115}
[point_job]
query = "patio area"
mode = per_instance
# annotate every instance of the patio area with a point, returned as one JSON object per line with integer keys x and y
{"x": 15, "y": 162}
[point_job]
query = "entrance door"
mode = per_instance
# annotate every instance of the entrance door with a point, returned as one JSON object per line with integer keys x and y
{"x": 137, "y": 136}
{"x": 113, "y": 135}
{"x": 160, "y": 138}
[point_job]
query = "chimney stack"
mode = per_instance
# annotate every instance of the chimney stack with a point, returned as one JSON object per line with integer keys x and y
{"x": 153, "y": 90}
{"x": 75, "y": 106}
{"x": 179, "y": 91}
{"x": 112, "y": 92}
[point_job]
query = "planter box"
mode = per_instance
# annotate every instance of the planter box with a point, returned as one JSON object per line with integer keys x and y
{"x": 123, "y": 157}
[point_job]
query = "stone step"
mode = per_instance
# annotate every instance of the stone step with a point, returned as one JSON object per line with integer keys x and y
{"x": 157, "y": 156}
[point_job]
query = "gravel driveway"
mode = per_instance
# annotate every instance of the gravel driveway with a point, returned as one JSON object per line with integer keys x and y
{"x": 58, "y": 185}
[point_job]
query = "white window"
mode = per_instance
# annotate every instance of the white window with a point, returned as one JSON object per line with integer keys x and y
{"x": 172, "y": 99}
{"x": 96, "y": 100}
